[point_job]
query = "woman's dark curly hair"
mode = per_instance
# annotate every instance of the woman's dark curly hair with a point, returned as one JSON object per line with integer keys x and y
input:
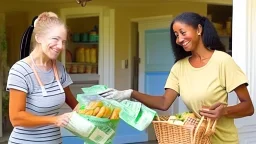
{"x": 210, "y": 37}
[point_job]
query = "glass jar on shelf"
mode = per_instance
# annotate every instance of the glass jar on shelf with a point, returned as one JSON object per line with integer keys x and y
{"x": 95, "y": 69}
{"x": 74, "y": 68}
{"x": 80, "y": 57}
{"x": 81, "y": 68}
{"x": 68, "y": 68}
{"x": 88, "y": 69}
{"x": 87, "y": 55}
{"x": 93, "y": 55}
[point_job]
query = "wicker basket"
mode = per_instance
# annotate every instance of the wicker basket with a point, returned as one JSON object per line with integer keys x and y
{"x": 194, "y": 131}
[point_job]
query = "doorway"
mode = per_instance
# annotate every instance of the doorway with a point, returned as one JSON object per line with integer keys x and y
{"x": 152, "y": 59}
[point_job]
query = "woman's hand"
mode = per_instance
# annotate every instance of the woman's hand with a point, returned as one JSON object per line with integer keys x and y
{"x": 214, "y": 112}
{"x": 63, "y": 119}
{"x": 116, "y": 95}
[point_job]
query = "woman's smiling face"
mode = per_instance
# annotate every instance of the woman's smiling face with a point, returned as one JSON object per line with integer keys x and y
{"x": 53, "y": 41}
{"x": 186, "y": 36}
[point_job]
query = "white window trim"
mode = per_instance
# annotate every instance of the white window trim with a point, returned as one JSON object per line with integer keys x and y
{"x": 244, "y": 40}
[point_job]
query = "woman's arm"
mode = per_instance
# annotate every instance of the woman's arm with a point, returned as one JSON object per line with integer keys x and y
{"x": 244, "y": 108}
{"x": 18, "y": 115}
{"x": 70, "y": 99}
{"x": 156, "y": 102}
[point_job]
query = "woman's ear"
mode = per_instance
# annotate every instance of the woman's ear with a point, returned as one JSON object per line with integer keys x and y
{"x": 38, "y": 39}
{"x": 199, "y": 29}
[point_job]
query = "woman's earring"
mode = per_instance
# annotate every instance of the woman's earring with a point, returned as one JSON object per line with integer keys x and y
{"x": 199, "y": 33}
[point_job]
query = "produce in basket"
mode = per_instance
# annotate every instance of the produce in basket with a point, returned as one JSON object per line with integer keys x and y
{"x": 190, "y": 129}
{"x": 183, "y": 116}
{"x": 179, "y": 119}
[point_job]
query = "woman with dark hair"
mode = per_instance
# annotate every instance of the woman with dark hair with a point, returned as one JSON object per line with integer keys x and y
{"x": 203, "y": 75}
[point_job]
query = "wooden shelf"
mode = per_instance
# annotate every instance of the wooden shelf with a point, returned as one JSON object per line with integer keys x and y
{"x": 83, "y": 77}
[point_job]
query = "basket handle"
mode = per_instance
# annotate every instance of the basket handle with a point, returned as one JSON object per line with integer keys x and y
{"x": 210, "y": 126}
{"x": 197, "y": 128}
{"x": 157, "y": 117}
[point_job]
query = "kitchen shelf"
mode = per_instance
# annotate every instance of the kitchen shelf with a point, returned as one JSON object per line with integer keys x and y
{"x": 221, "y": 17}
{"x": 85, "y": 77}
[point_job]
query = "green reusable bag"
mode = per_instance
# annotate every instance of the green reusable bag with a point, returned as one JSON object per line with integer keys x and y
{"x": 94, "y": 90}
{"x": 92, "y": 129}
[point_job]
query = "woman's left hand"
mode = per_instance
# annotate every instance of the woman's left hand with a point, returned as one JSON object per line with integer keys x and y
{"x": 214, "y": 112}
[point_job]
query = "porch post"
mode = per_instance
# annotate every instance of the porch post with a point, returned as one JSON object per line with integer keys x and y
{"x": 244, "y": 53}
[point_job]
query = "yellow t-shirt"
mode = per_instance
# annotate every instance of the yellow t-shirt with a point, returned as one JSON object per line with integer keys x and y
{"x": 207, "y": 85}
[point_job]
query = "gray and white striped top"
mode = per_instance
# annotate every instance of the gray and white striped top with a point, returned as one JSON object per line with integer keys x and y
{"x": 22, "y": 77}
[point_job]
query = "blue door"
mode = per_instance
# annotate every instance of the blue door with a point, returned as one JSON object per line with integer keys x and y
{"x": 158, "y": 60}
{"x": 155, "y": 68}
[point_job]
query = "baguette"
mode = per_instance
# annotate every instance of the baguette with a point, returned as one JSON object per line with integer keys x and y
{"x": 115, "y": 114}
{"x": 101, "y": 112}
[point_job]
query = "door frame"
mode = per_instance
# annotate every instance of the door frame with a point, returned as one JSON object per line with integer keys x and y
{"x": 106, "y": 65}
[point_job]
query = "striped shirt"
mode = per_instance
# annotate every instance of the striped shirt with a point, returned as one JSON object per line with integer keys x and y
{"x": 22, "y": 77}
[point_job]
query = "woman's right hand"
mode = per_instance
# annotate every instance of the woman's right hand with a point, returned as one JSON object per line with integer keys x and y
{"x": 62, "y": 120}
{"x": 116, "y": 95}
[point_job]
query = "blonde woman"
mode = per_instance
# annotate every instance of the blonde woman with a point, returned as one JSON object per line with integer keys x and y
{"x": 39, "y": 85}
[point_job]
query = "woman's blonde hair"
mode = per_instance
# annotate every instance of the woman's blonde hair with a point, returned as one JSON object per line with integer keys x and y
{"x": 43, "y": 23}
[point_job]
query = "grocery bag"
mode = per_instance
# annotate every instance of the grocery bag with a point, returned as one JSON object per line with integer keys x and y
{"x": 95, "y": 129}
